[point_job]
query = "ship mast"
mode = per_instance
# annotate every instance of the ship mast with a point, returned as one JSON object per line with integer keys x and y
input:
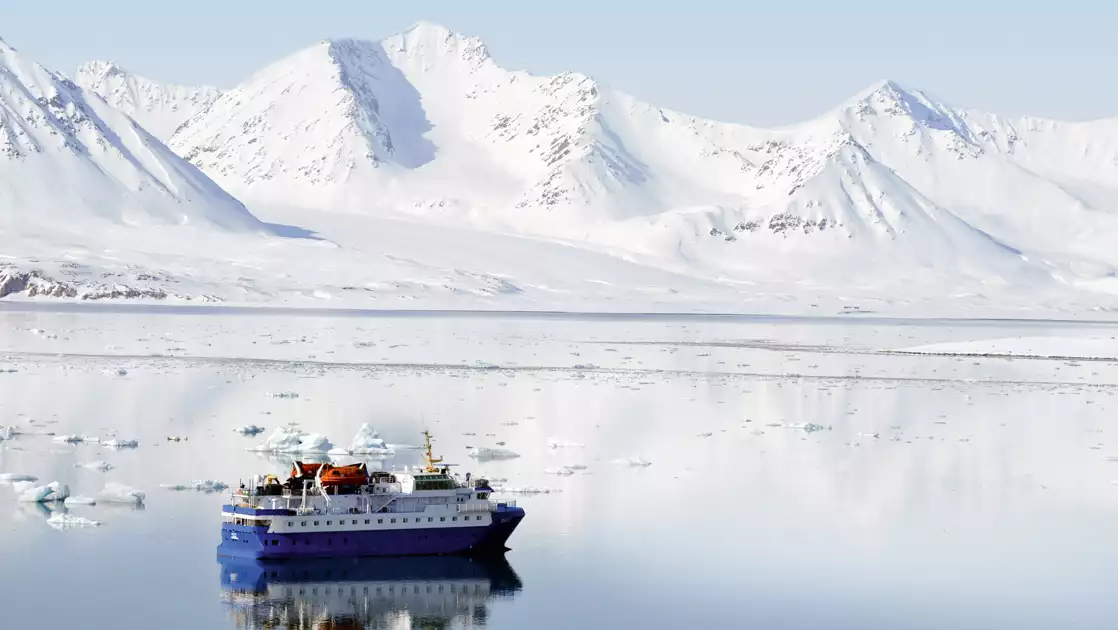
{"x": 431, "y": 459}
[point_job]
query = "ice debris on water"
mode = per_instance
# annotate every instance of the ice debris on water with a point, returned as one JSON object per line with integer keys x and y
{"x": 98, "y": 465}
{"x": 558, "y": 443}
{"x": 16, "y": 477}
{"x": 62, "y": 520}
{"x": 575, "y": 467}
{"x": 28, "y": 492}
{"x": 120, "y": 493}
{"x": 74, "y": 438}
{"x": 116, "y": 443}
{"x": 368, "y": 442}
{"x": 202, "y": 485}
{"x": 483, "y": 453}
{"x": 78, "y": 500}
{"x": 6, "y": 433}
{"x": 287, "y": 395}
{"x": 811, "y": 427}
{"x": 632, "y": 462}
{"x": 249, "y": 430}
{"x": 294, "y": 440}
{"x": 561, "y": 471}
{"x": 526, "y": 490}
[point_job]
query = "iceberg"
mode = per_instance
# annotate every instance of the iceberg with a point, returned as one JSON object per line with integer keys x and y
{"x": 30, "y": 493}
{"x": 368, "y": 442}
{"x": 292, "y": 439}
{"x": 249, "y": 430}
{"x": 63, "y": 520}
{"x": 120, "y": 493}
{"x": 6, "y": 433}
{"x": 483, "y": 454}
{"x": 121, "y": 443}
{"x": 99, "y": 465}
{"x": 16, "y": 478}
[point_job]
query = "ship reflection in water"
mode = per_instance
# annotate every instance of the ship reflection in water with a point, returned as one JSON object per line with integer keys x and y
{"x": 364, "y": 593}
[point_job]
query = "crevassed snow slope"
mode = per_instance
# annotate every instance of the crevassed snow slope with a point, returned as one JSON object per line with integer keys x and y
{"x": 158, "y": 107}
{"x": 67, "y": 158}
{"x": 891, "y": 183}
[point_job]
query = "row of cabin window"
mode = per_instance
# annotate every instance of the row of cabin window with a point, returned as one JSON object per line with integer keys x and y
{"x": 430, "y": 519}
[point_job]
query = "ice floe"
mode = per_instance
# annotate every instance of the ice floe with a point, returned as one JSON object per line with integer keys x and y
{"x": 120, "y": 493}
{"x": 483, "y": 453}
{"x": 62, "y": 520}
{"x": 28, "y": 492}
{"x": 292, "y": 439}
{"x": 74, "y": 438}
{"x": 632, "y": 462}
{"x": 115, "y": 443}
{"x": 249, "y": 430}
{"x": 7, "y": 433}
{"x": 78, "y": 500}
{"x": 98, "y": 465}
{"x": 16, "y": 478}
{"x": 202, "y": 485}
{"x": 562, "y": 471}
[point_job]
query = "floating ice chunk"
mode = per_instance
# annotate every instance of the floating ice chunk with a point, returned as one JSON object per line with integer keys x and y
{"x": 249, "y": 430}
{"x": 483, "y": 453}
{"x": 6, "y": 433}
{"x": 575, "y": 466}
{"x": 312, "y": 443}
{"x": 562, "y": 471}
{"x": 202, "y": 485}
{"x": 557, "y": 443}
{"x": 705, "y": 434}
{"x": 115, "y": 443}
{"x": 120, "y": 493}
{"x": 368, "y": 442}
{"x": 74, "y": 438}
{"x": 62, "y": 520}
{"x": 30, "y": 493}
{"x": 283, "y": 440}
{"x": 526, "y": 490}
{"x": 97, "y": 465}
{"x": 287, "y": 395}
{"x": 632, "y": 462}
{"x": 80, "y": 501}
{"x": 14, "y": 478}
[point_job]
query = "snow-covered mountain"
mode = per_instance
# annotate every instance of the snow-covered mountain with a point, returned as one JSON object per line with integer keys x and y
{"x": 67, "y": 158}
{"x": 158, "y": 107}
{"x": 426, "y": 122}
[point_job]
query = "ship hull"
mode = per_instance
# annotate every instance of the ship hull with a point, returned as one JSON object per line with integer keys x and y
{"x": 245, "y": 541}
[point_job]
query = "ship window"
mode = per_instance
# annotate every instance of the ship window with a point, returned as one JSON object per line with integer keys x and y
{"x": 316, "y": 523}
{"x": 430, "y": 519}
{"x": 380, "y": 520}
{"x": 354, "y": 521}
{"x": 303, "y": 524}
{"x": 329, "y": 522}
{"x": 442, "y": 518}
{"x": 366, "y": 521}
{"x": 405, "y": 520}
{"x": 393, "y": 520}
{"x": 454, "y": 518}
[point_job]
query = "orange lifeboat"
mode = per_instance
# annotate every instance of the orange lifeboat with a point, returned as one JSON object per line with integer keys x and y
{"x": 352, "y": 475}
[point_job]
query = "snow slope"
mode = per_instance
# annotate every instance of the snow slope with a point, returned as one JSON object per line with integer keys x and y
{"x": 426, "y": 123}
{"x": 67, "y": 158}
{"x": 159, "y": 107}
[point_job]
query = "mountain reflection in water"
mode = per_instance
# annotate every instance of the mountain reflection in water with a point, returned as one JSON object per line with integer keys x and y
{"x": 364, "y": 593}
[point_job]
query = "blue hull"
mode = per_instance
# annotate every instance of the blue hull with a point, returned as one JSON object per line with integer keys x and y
{"x": 244, "y": 541}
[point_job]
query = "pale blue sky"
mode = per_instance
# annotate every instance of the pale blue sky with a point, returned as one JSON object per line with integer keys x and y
{"x": 761, "y": 63}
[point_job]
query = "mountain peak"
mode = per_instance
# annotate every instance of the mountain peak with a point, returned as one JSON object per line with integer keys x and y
{"x": 430, "y": 41}
{"x": 101, "y": 69}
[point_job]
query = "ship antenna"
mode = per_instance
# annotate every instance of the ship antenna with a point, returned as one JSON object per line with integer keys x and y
{"x": 431, "y": 459}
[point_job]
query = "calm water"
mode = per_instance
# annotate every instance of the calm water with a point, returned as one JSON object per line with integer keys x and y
{"x": 941, "y": 493}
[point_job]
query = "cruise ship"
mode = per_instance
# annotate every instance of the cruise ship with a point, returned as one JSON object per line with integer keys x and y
{"x": 322, "y": 510}
{"x": 360, "y": 593}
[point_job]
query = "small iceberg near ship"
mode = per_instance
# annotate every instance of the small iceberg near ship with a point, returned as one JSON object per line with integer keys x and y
{"x": 28, "y": 492}
{"x": 483, "y": 454}
{"x": 62, "y": 520}
{"x": 120, "y": 493}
